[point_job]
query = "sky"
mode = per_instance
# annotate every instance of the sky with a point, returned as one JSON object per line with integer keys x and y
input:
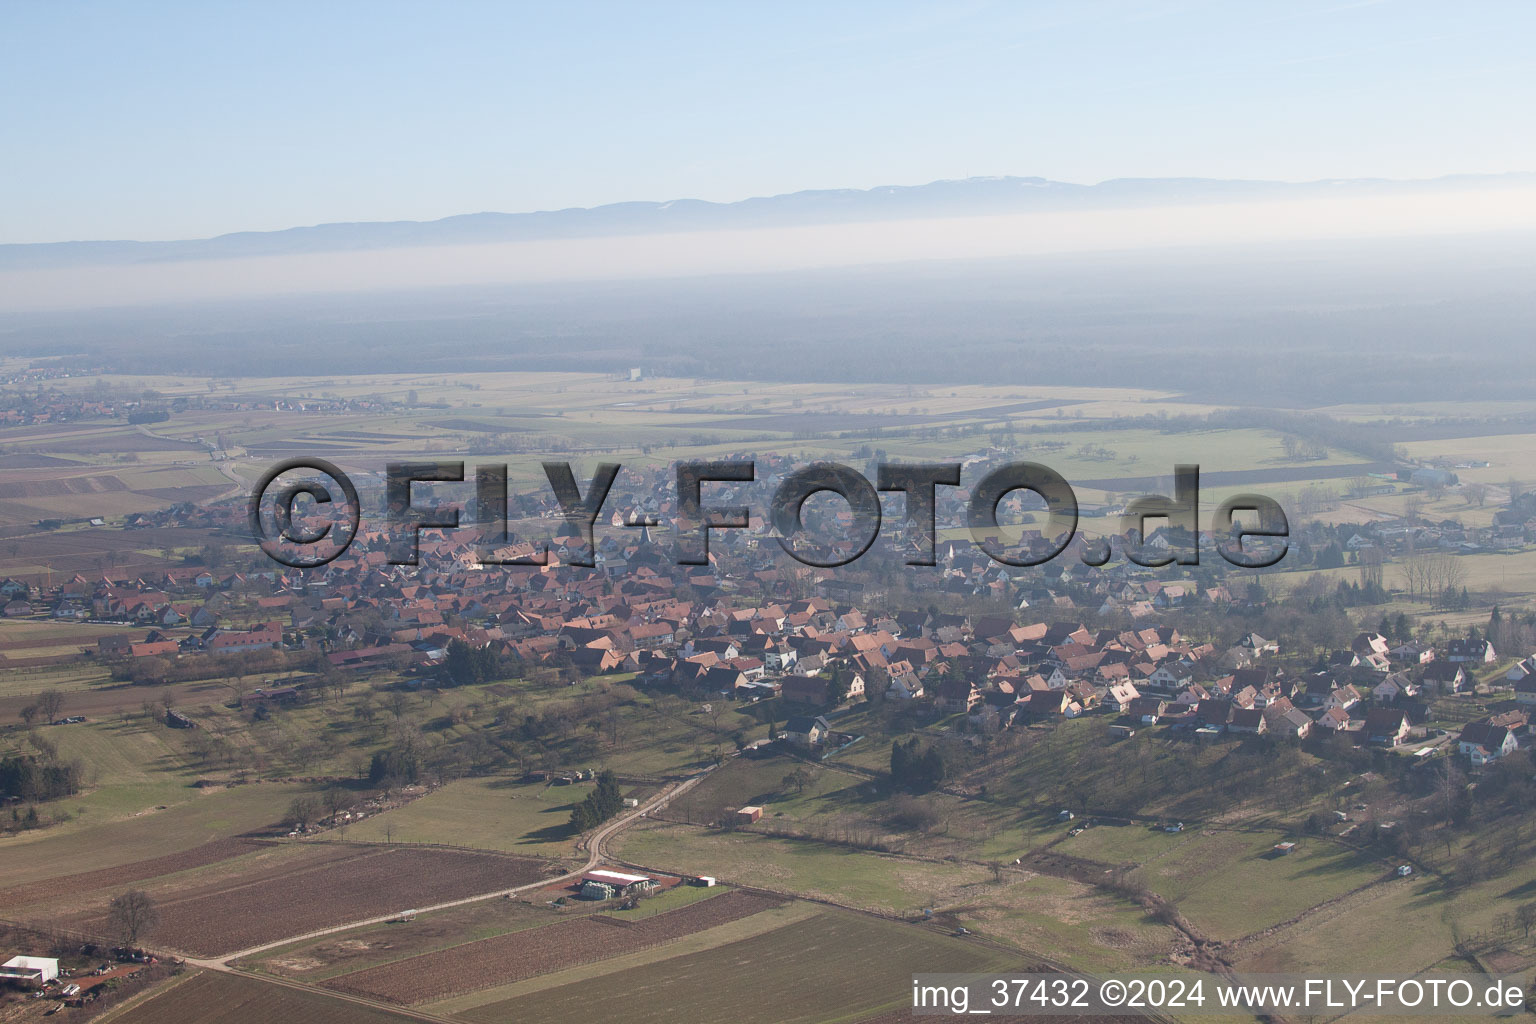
{"x": 185, "y": 120}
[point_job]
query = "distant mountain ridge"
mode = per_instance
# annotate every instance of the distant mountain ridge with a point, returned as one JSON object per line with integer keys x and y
{"x": 967, "y": 197}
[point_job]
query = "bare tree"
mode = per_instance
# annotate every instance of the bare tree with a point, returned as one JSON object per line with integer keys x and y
{"x": 237, "y": 689}
{"x": 50, "y": 704}
{"x": 336, "y": 800}
{"x": 1370, "y": 567}
{"x": 303, "y": 810}
{"x": 1475, "y": 493}
{"x": 399, "y": 703}
{"x": 28, "y": 714}
{"x": 131, "y": 916}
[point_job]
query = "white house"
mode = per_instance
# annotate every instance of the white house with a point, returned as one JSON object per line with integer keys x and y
{"x": 1483, "y": 742}
{"x": 1523, "y": 669}
{"x": 1120, "y": 696}
{"x": 1394, "y": 686}
{"x": 904, "y": 687}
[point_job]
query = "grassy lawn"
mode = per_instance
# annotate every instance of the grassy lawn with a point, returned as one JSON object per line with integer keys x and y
{"x": 487, "y": 814}
{"x": 1073, "y": 923}
{"x": 1231, "y": 884}
{"x": 860, "y": 878}
{"x": 94, "y": 840}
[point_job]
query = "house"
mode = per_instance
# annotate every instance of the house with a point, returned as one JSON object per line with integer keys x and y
{"x": 956, "y": 694}
{"x": 805, "y": 690}
{"x": 1366, "y": 644}
{"x": 1394, "y": 686}
{"x": 1291, "y": 723}
{"x": 1484, "y": 742}
{"x": 1335, "y": 720}
{"x": 1047, "y": 703}
{"x": 906, "y": 686}
{"x": 1146, "y": 709}
{"x": 1345, "y": 697}
{"x": 1525, "y": 691}
{"x": 1412, "y": 654}
{"x": 1248, "y": 720}
{"x": 228, "y": 641}
{"x": 1472, "y": 650}
{"x": 1120, "y": 697}
{"x": 1446, "y": 677}
{"x": 806, "y": 730}
{"x": 1258, "y": 646}
{"x": 1386, "y": 726}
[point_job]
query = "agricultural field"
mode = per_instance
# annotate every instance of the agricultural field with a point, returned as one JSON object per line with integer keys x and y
{"x": 831, "y": 966}
{"x": 530, "y": 953}
{"x": 19, "y": 896}
{"x": 319, "y": 886}
{"x": 357, "y": 949}
{"x": 107, "y": 836}
{"x": 213, "y": 997}
{"x": 524, "y": 417}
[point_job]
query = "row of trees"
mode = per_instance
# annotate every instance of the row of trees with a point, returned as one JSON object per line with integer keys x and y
{"x": 49, "y": 706}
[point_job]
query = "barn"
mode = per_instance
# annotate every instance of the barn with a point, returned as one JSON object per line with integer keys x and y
{"x": 33, "y": 970}
{"x": 606, "y": 885}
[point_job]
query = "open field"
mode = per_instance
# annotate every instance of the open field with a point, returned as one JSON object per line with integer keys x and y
{"x": 1202, "y": 873}
{"x": 122, "y": 874}
{"x": 327, "y": 885}
{"x": 532, "y": 952}
{"x": 357, "y": 949}
{"x": 495, "y": 813}
{"x": 106, "y": 838}
{"x": 869, "y": 880}
{"x": 212, "y": 997}
{"x": 833, "y": 966}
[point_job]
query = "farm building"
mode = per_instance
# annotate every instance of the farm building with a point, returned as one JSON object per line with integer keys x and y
{"x": 605, "y": 885}
{"x": 32, "y": 970}
{"x": 747, "y": 815}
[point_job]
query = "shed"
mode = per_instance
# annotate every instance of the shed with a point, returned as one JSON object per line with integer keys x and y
{"x": 35, "y": 970}
{"x": 749, "y": 814}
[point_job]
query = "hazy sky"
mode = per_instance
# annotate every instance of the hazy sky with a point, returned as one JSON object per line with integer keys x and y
{"x": 179, "y": 120}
